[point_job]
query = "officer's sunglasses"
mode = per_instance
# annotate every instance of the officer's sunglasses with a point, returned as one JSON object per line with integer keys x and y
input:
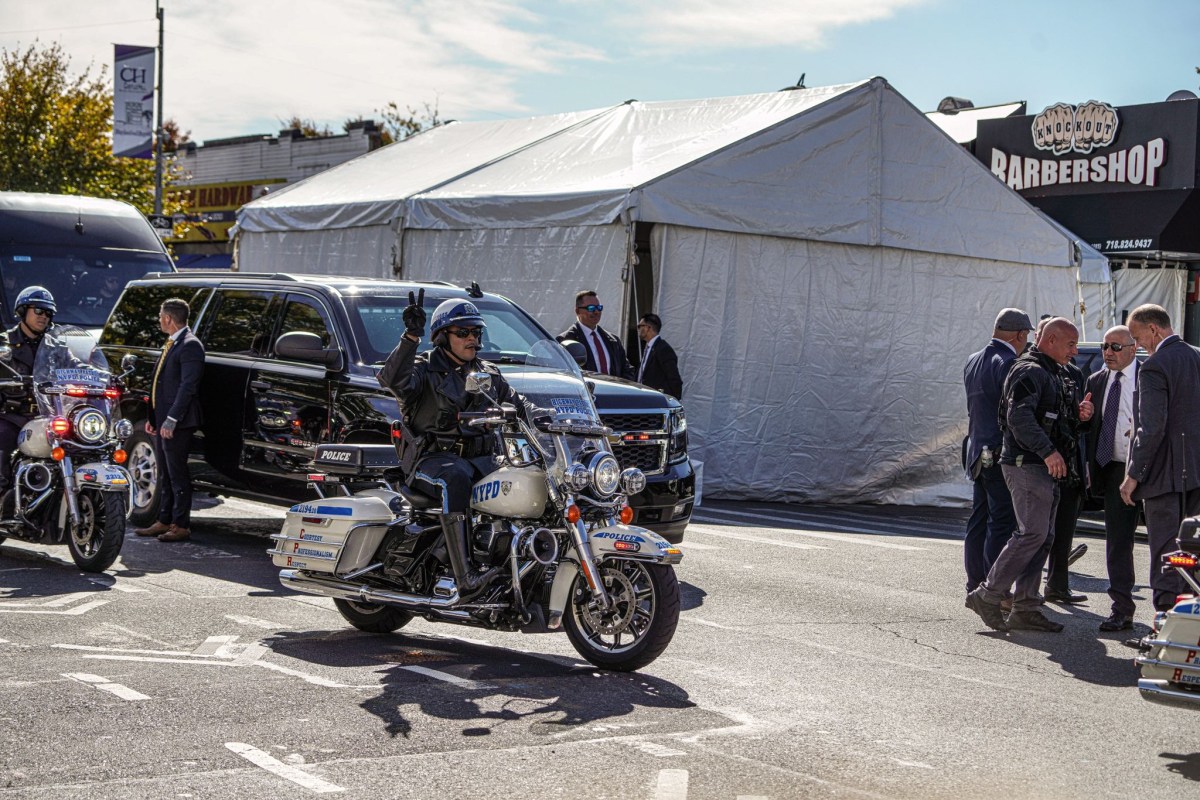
{"x": 41, "y": 312}
{"x": 592, "y": 307}
{"x": 464, "y": 333}
{"x": 1116, "y": 348}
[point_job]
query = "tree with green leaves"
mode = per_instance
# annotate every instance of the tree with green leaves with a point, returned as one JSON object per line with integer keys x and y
{"x": 56, "y": 132}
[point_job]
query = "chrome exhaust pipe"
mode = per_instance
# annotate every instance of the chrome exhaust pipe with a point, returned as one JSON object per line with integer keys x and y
{"x": 35, "y": 476}
{"x": 330, "y": 586}
{"x": 542, "y": 547}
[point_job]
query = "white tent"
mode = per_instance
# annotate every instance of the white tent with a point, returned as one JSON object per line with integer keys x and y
{"x": 824, "y": 260}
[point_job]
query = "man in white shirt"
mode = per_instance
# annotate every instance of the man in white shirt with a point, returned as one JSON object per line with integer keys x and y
{"x": 1109, "y": 437}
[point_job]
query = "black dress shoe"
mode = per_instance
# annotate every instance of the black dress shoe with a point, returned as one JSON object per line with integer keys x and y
{"x": 990, "y": 613}
{"x": 1076, "y": 554}
{"x": 1032, "y": 621}
{"x": 1117, "y": 622}
{"x": 1070, "y": 598}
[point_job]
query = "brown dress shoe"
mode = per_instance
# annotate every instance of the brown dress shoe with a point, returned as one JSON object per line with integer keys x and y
{"x": 176, "y": 534}
{"x": 153, "y": 530}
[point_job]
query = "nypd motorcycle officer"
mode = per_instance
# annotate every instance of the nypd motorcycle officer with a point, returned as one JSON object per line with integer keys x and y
{"x": 440, "y": 456}
{"x": 35, "y": 311}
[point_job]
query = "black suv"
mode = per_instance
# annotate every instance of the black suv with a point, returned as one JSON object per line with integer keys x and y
{"x": 264, "y": 413}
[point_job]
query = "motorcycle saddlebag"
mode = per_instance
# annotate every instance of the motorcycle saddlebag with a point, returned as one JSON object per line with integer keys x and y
{"x": 335, "y": 534}
{"x": 355, "y": 460}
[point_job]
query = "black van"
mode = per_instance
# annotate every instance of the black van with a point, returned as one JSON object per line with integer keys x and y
{"x": 83, "y": 249}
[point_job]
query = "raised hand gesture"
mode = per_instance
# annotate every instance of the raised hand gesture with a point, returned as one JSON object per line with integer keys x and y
{"x": 414, "y": 315}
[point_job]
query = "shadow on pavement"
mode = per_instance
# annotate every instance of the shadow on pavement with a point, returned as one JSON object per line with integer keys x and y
{"x": 1186, "y": 765}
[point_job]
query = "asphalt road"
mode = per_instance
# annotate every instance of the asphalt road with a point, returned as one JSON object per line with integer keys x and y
{"x": 822, "y": 652}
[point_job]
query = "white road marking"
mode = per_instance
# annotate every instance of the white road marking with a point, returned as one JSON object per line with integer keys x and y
{"x": 313, "y": 679}
{"x": 448, "y": 678}
{"x": 69, "y": 599}
{"x": 110, "y": 582}
{"x": 213, "y": 645}
{"x": 69, "y": 612}
{"x": 658, "y": 750}
{"x": 105, "y": 685}
{"x": 294, "y": 774}
{"x": 153, "y": 660}
{"x": 690, "y": 545}
{"x": 752, "y": 797}
{"x": 255, "y": 622}
{"x": 904, "y": 763}
{"x": 746, "y": 537}
{"x": 672, "y": 785}
{"x": 699, "y": 621}
{"x": 832, "y": 536}
{"x": 250, "y": 655}
{"x": 97, "y": 649}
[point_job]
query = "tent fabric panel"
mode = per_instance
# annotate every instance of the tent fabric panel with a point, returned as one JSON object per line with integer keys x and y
{"x": 812, "y": 177}
{"x": 360, "y": 252}
{"x": 819, "y": 372}
{"x": 936, "y": 197}
{"x": 368, "y": 190}
{"x": 1163, "y": 287}
{"x": 540, "y": 269}
{"x": 583, "y": 175}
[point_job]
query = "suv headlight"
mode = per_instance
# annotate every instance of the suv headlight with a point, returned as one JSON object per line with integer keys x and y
{"x": 90, "y": 426}
{"x": 677, "y": 433}
{"x": 606, "y": 474}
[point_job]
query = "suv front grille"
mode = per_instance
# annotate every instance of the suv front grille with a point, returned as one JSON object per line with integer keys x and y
{"x": 636, "y": 423}
{"x": 648, "y": 456}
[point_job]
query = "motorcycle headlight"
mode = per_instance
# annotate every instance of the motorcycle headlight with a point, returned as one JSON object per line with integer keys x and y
{"x": 123, "y": 428}
{"x": 90, "y": 426}
{"x": 578, "y": 477}
{"x": 606, "y": 474}
{"x": 633, "y": 480}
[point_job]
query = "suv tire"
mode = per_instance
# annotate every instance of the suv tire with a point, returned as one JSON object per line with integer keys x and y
{"x": 144, "y": 472}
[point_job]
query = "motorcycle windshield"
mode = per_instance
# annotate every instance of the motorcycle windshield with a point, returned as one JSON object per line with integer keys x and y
{"x": 550, "y": 379}
{"x": 67, "y": 356}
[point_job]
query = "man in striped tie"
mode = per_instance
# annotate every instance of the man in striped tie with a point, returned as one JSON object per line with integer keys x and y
{"x": 1108, "y": 446}
{"x": 605, "y": 353}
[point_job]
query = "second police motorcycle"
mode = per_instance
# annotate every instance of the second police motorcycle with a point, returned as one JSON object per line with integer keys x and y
{"x": 68, "y": 483}
{"x": 553, "y": 517}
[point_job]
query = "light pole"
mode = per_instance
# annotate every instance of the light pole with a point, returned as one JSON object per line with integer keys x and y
{"x": 158, "y": 137}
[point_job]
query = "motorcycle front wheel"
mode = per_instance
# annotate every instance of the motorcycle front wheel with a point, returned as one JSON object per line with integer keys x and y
{"x": 638, "y": 626}
{"x": 96, "y": 541}
{"x": 371, "y": 617}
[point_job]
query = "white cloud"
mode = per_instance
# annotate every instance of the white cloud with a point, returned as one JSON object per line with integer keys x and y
{"x": 717, "y": 24}
{"x": 235, "y": 67}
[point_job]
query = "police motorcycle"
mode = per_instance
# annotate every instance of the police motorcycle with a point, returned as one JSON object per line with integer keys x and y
{"x": 553, "y": 517}
{"x": 68, "y": 485}
{"x": 1170, "y": 663}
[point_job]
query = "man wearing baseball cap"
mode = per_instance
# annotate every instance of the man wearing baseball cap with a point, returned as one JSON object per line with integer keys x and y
{"x": 992, "y": 520}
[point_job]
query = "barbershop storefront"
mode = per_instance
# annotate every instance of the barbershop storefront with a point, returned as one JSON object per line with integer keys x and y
{"x": 1122, "y": 179}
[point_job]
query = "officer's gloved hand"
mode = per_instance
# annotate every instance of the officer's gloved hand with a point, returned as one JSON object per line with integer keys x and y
{"x": 414, "y": 315}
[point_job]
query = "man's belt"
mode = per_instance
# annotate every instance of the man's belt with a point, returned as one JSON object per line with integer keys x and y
{"x": 465, "y": 447}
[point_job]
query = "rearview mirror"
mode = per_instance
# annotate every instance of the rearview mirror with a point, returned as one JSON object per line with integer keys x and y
{"x": 577, "y": 351}
{"x": 305, "y": 346}
{"x": 127, "y": 362}
{"x": 479, "y": 383}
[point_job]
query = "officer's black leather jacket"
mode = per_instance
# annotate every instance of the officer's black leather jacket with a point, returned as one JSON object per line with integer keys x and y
{"x": 431, "y": 389}
{"x": 1038, "y": 412}
{"x": 24, "y": 352}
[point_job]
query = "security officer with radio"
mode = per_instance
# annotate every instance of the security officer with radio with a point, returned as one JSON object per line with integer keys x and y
{"x": 439, "y": 455}
{"x": 1041, "y": 421}
{"x": 34, "y": 311}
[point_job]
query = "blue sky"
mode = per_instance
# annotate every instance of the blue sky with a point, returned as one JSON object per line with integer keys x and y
{"x": 238, "y": 67}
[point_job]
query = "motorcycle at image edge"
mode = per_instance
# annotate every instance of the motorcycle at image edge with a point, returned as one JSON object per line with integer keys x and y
{"x": 550, "y": 518}
{"x": 68, "y": 485}
{"x": 1170, "y": 663}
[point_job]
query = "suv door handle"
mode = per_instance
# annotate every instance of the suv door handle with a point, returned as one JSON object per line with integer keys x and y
{"x": 262, "y": 386}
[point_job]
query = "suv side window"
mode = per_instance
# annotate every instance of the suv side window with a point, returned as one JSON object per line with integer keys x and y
{"x": 305, "y": 314}
{"x": 134, "y": 321}
{"x": 238, "y": 326}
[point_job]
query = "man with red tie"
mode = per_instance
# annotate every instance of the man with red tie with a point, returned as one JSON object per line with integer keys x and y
{"x": 605, "y": 354}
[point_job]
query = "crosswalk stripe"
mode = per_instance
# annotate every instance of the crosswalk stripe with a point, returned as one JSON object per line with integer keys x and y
{"x": 105, "y": 685}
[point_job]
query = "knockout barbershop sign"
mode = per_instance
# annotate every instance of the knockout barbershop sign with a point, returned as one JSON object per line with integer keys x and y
{"x": 1061, "y": 130}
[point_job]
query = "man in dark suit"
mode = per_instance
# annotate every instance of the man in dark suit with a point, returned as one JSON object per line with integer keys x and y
{"x": 1113, "y": 390}
{"x": 605, "y": 354}
{"x": 1164, "y": 461}
{"x": 992, "y": 520}
{"x": 174, "y": 417}
{"x": 659, "y": 366}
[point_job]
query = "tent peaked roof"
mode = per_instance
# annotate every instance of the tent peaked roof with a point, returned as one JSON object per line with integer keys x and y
{"x": 855, "y": 163}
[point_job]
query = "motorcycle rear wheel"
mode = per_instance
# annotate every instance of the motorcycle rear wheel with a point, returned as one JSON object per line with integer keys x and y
{"x": 640, "y": 624}
{"x": 371, "y": 617}
{"x": 96, "y": 542}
